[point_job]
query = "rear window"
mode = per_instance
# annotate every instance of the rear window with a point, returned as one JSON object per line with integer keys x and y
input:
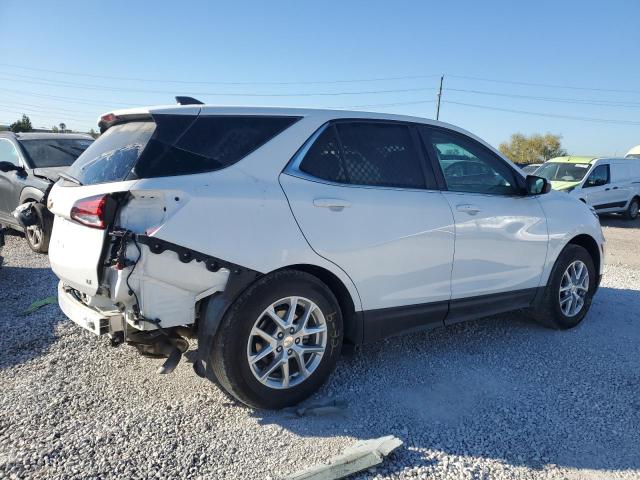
{"x": 113, "y": 155}
{"x": 174, "y": 145}
{"x": 209, "y": 143}
{"x": 54, "y": 152}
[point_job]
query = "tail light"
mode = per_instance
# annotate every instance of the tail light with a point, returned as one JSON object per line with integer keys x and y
{"x": 90, "y": 211}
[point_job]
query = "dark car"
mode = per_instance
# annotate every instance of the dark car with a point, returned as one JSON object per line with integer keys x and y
{"x": 30, "y": 163}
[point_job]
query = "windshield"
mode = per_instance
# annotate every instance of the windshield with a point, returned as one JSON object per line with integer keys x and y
{"x": 54, "y": 152}
{"x": 563, "y": 172}
{"x": 113, "y": 155}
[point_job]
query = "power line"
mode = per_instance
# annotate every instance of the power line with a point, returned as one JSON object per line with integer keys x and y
{"x": 71, "y": 99}
{"x": 46, "y": 113}
{"x": 578, "y": 101}
{"x": 545, "y": 85}
{"x": 396, "y": 104}
{"x": 552, "y": 115}
{"x": 204, "y": 94}
{"x": 206, "y": 82}
{"x": 13, "y": 103}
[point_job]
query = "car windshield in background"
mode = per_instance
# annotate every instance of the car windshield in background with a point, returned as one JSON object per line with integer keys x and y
{"x": 113, "y": 155}
{"x": 54, "y": 152}
{"x": 563, "y": 172}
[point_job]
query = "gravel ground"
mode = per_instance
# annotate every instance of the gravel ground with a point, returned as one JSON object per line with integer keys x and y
{"x": 497, "y": 398}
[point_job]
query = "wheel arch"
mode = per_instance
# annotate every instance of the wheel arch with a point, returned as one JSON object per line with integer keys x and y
{"x": 30, "y": 194}
{"x": 590, "y": 245}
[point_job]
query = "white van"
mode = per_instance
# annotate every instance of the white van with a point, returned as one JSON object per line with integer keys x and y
{"x": 609, "y": 185}
{"x": 634, "y": 152}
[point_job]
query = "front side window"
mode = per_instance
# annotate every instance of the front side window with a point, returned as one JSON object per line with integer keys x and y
{"x": 599, "y": 176}
{"x": 8, "y": 152}
{"x": 54, "y": 152}
{"x": 366, "y": 153}
{"x": 469, "y": 167}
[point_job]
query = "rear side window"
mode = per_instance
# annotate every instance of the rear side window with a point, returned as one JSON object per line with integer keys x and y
{"x": 367, "y": 153}
{"x": 323, "y": 160}
{"x": 174, "y": 145}
{"x": 113, "y": 155}
{"x": 209, "y": 143}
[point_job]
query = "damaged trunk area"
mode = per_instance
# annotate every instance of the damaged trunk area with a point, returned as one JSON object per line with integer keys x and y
{"x": 143, "y": 290}
{"x": 118, "y": 275}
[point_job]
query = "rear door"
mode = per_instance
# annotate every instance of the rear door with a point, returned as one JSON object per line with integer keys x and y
{"x": 366, "y": 200}
{"x": 500, "y": 234}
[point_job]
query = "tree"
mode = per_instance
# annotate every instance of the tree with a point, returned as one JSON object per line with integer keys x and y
{"x": 54, "y": 129}
{"x": 22, "y": 125}
{"x": 93, "y": 133}
{"x": 533, "y": 149}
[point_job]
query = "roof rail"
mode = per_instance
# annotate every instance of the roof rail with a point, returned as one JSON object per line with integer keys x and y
{"x": 188, "y": 101}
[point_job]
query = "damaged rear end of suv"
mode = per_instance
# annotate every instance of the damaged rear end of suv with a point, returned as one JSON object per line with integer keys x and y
{"x": 152, "y": 239}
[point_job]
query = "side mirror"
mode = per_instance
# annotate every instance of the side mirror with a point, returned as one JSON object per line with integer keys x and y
{"x": 9, "y": 167}
{"x": 537, "y": 185}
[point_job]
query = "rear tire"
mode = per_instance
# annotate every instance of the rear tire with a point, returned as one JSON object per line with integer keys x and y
{"x": 265, "y": 354}
{"x": 568, "y": 294}
{"x": 38, "y": 235}
{"x": 632, "y": 210}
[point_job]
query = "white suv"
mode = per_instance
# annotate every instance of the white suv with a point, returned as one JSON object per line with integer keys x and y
{"x": 275, "y": 236}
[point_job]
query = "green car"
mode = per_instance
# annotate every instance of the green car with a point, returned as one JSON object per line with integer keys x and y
{"x": 565, "y": 172}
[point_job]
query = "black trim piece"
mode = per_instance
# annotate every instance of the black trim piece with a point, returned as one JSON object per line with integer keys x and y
{"x": 472, "y": 308}
{"x": 214, "y": 311}
{"x": 188, "y": 101}
{"x": 610, "y": 205}
{"x": 186, "y": 255}
{"x": 385, "y": 322}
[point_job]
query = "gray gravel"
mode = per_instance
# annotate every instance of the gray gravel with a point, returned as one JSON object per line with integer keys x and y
{"x": 498, "y": 398}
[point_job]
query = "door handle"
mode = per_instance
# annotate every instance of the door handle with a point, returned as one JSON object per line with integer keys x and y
{"x": 607, "y": 189}
{"x": 614, "y": 188}
{"x": 335, "y": 204}
{"x": 467, "y": 208}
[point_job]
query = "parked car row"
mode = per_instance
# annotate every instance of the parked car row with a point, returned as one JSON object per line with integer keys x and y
{"x": 29, "y": 164}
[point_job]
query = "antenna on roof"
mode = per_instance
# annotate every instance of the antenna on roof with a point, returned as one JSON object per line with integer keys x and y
{"x": 188, "y": 101}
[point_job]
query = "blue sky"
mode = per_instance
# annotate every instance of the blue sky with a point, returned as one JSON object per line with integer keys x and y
{"x": 590, "y": 46}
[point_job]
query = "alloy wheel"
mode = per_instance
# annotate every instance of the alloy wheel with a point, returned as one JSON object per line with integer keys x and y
{"x": 574, "y": 287}
{"x": 287, "y": 342}
{"x": 34, "y": 235}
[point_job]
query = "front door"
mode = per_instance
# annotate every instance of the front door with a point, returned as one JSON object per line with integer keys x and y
{"x": 9, "y": 181}
{"x": 364, "y": 200}
{"x": 598, "y": 190}
{"x": 501, "y": 235}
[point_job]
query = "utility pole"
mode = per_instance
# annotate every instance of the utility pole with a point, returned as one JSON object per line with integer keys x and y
{"x": 439, "y": 97}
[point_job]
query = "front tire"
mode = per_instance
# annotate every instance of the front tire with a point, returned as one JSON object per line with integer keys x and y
{"x": 632, "y": 210}
{"x": 570, "y": 289}
{"x": 38, "y": 235}
{"x": 279, "y": 341}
